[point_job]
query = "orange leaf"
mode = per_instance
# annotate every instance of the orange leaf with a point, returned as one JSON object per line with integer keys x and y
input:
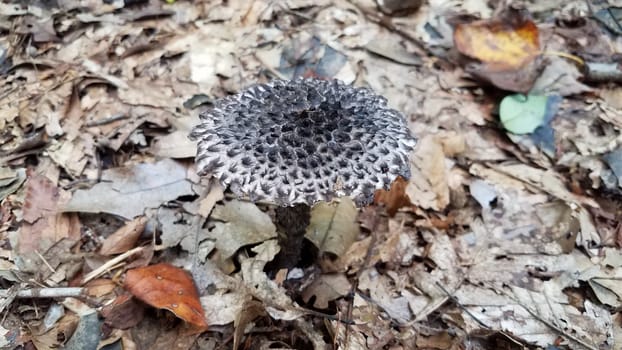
{"x": 167, "y": 287}
{"x": 503, "y": 44}
{"x": 395, "y": 198}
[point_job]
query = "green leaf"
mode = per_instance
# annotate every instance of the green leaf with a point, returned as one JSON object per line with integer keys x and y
{"x": 522, "y": 114}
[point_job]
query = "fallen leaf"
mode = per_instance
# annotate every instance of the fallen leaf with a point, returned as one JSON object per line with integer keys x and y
{"x": 517, "y": 80}
{"x": 177, "y": 144}
{"x": 178, "y": 226}
{"x": 382, "y": 293}
{"x": 221, "y": 309}
{"x": 612, "y": 96}
{"x": 483, "y": 192}
{"x": 216, "y": 194}
{"x": 503, "y": 44}
{"x": 167, "y": 287}
{"x": 395, "y": 198}
{"x": 41, "y": 198}
{"x": 10, "y": 181}
{"x": 532, "y": 313}
{"x": 560, "y": 77}
{"x": 100, "y": 287}
{"x": 88, "y": 332}
{"x": 252, "y": 310}
{"x": 278, "y": 304}
{"x": 523, "y": 114}
{"x": 428, "y": 185}
{"x": 333, "y": 227}
{"x": 124, "y": 312}
{"x": 43, "y": 224}
{"x": 124, "y": 238}
{"x": 244, "y": 224}
{"x": 326, "y": 288}
{"x": 386, "y": 46}
{"x": 127, "y": 191}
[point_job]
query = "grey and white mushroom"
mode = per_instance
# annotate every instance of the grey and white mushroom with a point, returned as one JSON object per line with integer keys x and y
{"x": 303, "y": 141}
{"x": 296, "y": 142}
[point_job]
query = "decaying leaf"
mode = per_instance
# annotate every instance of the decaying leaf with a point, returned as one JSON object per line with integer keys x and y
{"x": 177, "y": 144}
{"x": 503, "y": 44}
{"x": 124, "y": 312}
{"x": 325, "y": 289}
{"x": 44, "y": 224}
{"x": 127, "y": 191}
{"x": 395, "y": 198}
{"x": 239, "y": 224}
{"x": 179, "y": 227}
{"x": 507, "y": 47}
{"x": 167, "y": 287}
{"x": 41, "y": 200}
{"x": 252, "y": 310}
{"x": 221, "y": 309}
{"x": 278, "y": 304}
{"x": 124, "y": 238}
{"x": 333, "y": 226}
{"x": 428, "y": 186}
{"x": 10, "y": 180}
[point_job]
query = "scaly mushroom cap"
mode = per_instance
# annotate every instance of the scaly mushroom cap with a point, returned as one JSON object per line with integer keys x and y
{"x": 302, "y": 141}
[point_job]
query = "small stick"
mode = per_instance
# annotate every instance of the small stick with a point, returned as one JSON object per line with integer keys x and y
{"x": 105, "y": 121}
{"x": 355, "y": 285}
{"x": 46, "y": 292}
{"x": 455, "y": 301}
{"x": 109, "y": 264}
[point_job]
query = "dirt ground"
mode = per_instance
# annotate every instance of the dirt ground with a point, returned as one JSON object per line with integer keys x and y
{"x": 507, "y": 234}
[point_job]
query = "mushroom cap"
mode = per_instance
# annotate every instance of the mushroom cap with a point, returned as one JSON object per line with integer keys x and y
{"x": 303, "y": 141}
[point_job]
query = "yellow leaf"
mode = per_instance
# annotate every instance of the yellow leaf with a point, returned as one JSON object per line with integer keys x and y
{"x": 500, "y": 44}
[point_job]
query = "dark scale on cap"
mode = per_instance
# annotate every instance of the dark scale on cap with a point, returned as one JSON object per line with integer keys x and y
{"x": 302, "y": 141}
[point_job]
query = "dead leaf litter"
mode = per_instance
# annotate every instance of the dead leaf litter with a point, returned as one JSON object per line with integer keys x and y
{"x": 506, "y": 235}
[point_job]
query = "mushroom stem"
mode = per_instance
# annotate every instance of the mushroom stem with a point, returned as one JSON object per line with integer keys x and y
{"x": 293, "y": 222}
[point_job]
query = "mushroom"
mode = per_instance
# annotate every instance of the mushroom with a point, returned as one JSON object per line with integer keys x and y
{"x": 296, "y": 142}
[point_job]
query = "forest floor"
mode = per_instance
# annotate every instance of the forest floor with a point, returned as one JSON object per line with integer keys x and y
{"x": 506, "y": 236}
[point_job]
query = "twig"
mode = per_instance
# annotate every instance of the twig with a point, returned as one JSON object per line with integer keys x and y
{"x": 109, "y": 264}
{"x": 455, "y": 301}
{"x": 549, "y": 323}
{"x": 108, "y": 120}
{"x": 45, "y": 292}
{"x": 596, "y": 72}
{"x": 385, "y": 21}
{"x": 45, "y": 261}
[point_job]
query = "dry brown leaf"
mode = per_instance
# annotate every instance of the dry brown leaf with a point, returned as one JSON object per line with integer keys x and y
{"x": 124, "y": 238}
{"x": 216, "y": 194}
{"x": 325, "y": 289}
{"x": 395, "y": 198}
{"x": 124, "y": 312}
{"x": 41, "y": 198}
{"x": 100, "y": 287}
{"x": 251, "y": 309}
{"x": 428, "y": 186}
{"x": 43, "y": 224}
{"x": 167, "y": 287}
